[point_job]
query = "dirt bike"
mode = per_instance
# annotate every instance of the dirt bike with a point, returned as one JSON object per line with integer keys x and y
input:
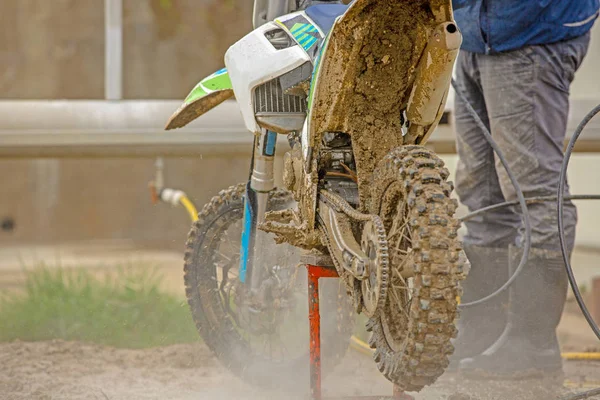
{"x": 358, "y": 89}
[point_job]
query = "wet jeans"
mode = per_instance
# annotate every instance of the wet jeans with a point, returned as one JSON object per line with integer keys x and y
{"x": 522, "y": 96}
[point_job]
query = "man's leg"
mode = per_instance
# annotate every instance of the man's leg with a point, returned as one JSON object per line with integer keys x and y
{"x": 477, "y": 183}
{"x": 488, "y": 235}
{"x": 527, "y": 94}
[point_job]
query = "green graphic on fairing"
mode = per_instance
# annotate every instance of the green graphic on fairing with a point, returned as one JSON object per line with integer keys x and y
{"x": 313, "y": 82}
{"x": 305, "y": 34}
{"x": 218, "y": 81}
{"x": 303, "y": 30}
{"x": 208, "y": 94}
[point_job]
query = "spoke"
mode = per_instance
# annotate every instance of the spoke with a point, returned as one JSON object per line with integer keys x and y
{"x": 400, "y": 304}
{"x": 402, "y": 240}
{"x": 403, "y": 234}
{"x": 284, "y": 349}
{"x": 408, "y": 303}
{"x": 408, "y": 289}
{"x": 227, "y": 235}
{"x": 223, "y": 256}
{"x": 396, "y": 299}
{"x": 265, "y": 341}
{"x": 401, "y": 251}
{"x": 395, "y": 228}
{"x": 404, "y": 225}
{"x": 230, "y": 243}
{"x": 401, "y": 268}
{"x": 232, "y": 246}
{"x": 225, "y": 276}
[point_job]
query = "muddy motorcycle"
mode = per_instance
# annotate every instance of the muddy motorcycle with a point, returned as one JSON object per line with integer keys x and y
{"x": 358, "y": 90}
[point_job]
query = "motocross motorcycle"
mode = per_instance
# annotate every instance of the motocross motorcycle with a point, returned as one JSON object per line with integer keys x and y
{"x": 358, "y": 89}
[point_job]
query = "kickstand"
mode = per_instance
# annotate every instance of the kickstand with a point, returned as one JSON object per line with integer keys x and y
{"x": 314, "y": 318}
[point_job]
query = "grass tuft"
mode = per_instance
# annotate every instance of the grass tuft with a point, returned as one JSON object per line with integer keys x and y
{"x": 127, "y": 310}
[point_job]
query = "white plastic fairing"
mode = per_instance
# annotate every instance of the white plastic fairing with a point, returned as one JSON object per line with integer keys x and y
{"x": 305, "y": 140}
{"x": 253, "y": 61}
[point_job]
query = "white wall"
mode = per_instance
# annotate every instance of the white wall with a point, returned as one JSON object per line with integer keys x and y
{"x": 587, "y": 80}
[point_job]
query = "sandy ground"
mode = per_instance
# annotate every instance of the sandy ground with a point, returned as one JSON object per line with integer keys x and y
{"x": 61, "y": 370}
{"x": 70, "y": 371}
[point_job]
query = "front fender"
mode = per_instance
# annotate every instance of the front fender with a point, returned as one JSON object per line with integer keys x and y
{"x": 207, "y": 94}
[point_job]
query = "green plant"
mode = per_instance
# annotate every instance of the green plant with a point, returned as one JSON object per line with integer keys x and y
{"x": 166, "y": 4}
{"x": 125, "y": 310}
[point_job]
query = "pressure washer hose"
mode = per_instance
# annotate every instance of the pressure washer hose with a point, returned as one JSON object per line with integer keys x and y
{"x": 561, "y": 224}
{"x": 362, "y": 347}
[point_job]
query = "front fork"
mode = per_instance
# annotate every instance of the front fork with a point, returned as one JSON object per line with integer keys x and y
{"x": 261, "y": 183}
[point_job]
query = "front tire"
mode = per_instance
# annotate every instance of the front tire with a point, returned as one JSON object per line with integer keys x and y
{"x": 215, "y": 318}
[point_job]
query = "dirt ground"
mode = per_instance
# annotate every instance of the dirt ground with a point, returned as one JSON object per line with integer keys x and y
{"x": 73, "y": 371}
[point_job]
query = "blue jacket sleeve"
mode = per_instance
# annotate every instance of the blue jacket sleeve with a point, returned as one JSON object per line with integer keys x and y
{"x": 456, "y": 4}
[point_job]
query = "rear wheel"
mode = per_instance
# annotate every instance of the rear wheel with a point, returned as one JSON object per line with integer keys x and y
{"x": 268, "y": 346}
{"x": 411, "y": 337}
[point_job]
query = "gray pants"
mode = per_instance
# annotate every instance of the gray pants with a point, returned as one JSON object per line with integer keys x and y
{"x": 522, "y": 96}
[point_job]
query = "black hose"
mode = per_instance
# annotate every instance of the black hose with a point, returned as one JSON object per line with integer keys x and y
{"x": 582, "y": 395}
{"x": 561, "y": 225}
{"x": 529, "y": 200}
{"x": 520, "y": 196}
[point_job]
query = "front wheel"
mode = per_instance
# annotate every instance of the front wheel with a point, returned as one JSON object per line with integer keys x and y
{"x": 268, "y": 346}
{"x": 412, "y": 334}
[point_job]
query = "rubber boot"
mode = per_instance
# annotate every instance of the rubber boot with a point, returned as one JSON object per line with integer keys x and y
{"x": 528, "y": 347}
{"x": 480, "y": 326}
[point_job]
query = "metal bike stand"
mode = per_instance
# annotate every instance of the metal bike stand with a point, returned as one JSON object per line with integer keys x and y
{"x": 322, "y": 267}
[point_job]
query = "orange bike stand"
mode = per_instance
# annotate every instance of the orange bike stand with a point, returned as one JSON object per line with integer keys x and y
{"x": 315, "y": 272}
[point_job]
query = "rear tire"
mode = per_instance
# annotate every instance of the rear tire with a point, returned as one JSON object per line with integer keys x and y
{"x": 217, "y": 325}
{"x": 411, "y": 337}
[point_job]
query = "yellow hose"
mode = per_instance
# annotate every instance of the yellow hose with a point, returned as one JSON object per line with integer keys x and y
{"x": 581, "y": 356}
{"x": 362, "y": 347}
{"x": 581, "y": 385}
{"x": 189, "y": 206}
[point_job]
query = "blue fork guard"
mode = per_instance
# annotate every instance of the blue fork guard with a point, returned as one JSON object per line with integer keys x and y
{"x": 247, "y": 249}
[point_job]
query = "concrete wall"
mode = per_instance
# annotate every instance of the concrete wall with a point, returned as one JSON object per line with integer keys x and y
{"x": 51, "y": 201}
{"x": 55, "y": 49}
{"x": 80, "y": 200}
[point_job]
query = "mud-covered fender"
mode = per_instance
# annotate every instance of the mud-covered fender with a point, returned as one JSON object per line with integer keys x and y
{"x": 207, "y": 94}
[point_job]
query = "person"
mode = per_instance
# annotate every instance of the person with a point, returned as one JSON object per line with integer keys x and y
{"x": 515, "y": 67}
